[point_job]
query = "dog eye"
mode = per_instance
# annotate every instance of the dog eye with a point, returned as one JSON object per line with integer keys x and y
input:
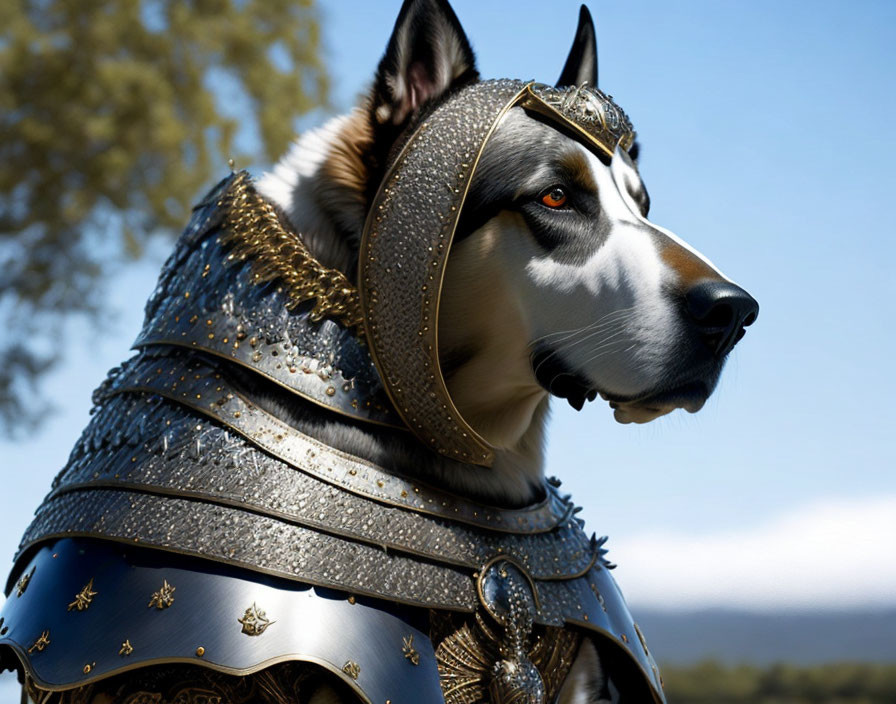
{"x": 554, "y": 197}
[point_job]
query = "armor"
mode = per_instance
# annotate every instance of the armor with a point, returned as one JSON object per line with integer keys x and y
{"x": 192, "y": 526}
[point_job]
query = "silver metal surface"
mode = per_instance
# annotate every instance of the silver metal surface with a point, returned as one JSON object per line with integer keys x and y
{"x": 199, "y": 385}
{"x": 151, "y": 472}
{"x": 203, "y": 623}
{"x": 208, "y": 301}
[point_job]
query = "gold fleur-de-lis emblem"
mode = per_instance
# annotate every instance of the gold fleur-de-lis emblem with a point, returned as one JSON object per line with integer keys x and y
{"x": 254, "y": 621}
{"x": 83, "y": 598}
{"x": 163, "y": 598}
{"x": 126, "y": 648}
{"x": 41, "y": 643}
{"x": 352, "y": 669}
{"x": 410, "y": 652}
{"x": 23, "y": 583}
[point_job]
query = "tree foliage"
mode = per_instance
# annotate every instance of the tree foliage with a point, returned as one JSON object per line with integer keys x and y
{"x": 838, "y": 683}
{"x": 113, "y": 114}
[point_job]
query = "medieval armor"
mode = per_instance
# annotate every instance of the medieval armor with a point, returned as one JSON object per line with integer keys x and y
{"x": 191, "y": 525}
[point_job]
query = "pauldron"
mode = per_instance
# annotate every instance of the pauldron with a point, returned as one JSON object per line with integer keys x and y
{"x": 192, "y": 526}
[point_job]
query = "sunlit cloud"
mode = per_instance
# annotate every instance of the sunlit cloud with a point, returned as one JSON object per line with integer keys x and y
{"x": 827, "y": 555}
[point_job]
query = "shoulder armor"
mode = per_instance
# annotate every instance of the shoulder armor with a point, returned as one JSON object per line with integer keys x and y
{"x": 175, "y": 460}
{"x": 215, "y": 298}
{"x": 94, "y": 609}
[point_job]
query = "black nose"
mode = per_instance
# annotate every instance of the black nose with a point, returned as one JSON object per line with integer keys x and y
{"x": 721, "y": 311}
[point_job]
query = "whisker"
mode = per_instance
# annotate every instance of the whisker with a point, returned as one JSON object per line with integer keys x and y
{"x": 608, "y": 351}
{"x": 575, "y": 331}
{"x": 568, "y": 345}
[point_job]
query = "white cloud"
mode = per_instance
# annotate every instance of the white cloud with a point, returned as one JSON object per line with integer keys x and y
{"x": 831, "y": 554}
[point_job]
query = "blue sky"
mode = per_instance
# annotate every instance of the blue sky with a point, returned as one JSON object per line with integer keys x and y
{"x": 768, "y": 144}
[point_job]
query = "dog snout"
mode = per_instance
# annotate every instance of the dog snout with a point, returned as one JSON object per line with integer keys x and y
{"x": 721, "y": 310}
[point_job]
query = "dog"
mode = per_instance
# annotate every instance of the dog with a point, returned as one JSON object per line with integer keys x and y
{"x": 586, "y": 296}
{"x": 557, "y": 284}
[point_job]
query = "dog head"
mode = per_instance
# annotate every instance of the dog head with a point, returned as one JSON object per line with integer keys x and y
{"x": 557, "y": 279}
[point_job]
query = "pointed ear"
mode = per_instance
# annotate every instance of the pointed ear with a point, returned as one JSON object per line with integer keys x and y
{"x": 581, "y": 64}
{"x": 427, "y": 55}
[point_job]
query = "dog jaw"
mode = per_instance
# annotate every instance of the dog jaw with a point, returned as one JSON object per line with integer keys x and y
{"x": 482, "y": 330}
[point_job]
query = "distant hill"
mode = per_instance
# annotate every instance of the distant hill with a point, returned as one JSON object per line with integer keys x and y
{"x": 804, "y": 638}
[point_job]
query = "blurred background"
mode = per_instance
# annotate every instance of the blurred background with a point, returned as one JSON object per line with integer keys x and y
{"x": 755, "y": 540}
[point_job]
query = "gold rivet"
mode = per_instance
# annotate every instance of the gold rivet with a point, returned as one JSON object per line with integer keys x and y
{"x": 200, "y": 651}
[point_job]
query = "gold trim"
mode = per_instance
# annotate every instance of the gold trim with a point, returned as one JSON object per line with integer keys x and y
{"x": 290, "y": 657}
{"x": 427, "y": 408}
{"x": 532, "y": 101}
{"x": 253, "y": 231}
{"x": 481, "y": 453}
{"x": 475, "y": 438}
{"x": 483, "y": 572}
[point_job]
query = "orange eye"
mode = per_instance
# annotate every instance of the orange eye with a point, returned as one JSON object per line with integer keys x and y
{"x": 555, "y": 198}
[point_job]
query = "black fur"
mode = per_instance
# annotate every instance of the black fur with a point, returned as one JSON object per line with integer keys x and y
{"x": 427, "y": 34}
{"x": 581, "y": 64}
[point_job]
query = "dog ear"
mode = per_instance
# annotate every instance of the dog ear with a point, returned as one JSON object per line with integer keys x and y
{"x": 581, "y": 64}
{"x": 427, "y": 55}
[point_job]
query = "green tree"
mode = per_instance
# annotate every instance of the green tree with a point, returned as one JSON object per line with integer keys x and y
{"x": 113, "y": 115}
{"x": 834, "y": 683}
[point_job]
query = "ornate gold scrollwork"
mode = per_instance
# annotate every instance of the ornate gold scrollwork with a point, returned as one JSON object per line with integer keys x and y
{"x": 467, "y": 652}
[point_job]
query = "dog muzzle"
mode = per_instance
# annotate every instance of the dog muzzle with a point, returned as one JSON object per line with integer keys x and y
{"x": 410, "y": 227}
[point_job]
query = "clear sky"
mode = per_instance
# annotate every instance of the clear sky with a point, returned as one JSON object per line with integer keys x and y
{"x": 768, "y": 143}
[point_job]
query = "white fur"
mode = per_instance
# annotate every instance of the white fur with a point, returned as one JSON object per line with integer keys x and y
{"x": 585, "y": 678}
{"x": 623, "y": 171}
{"x": 288, "y": 184}
{"x": 617, "y": 295}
